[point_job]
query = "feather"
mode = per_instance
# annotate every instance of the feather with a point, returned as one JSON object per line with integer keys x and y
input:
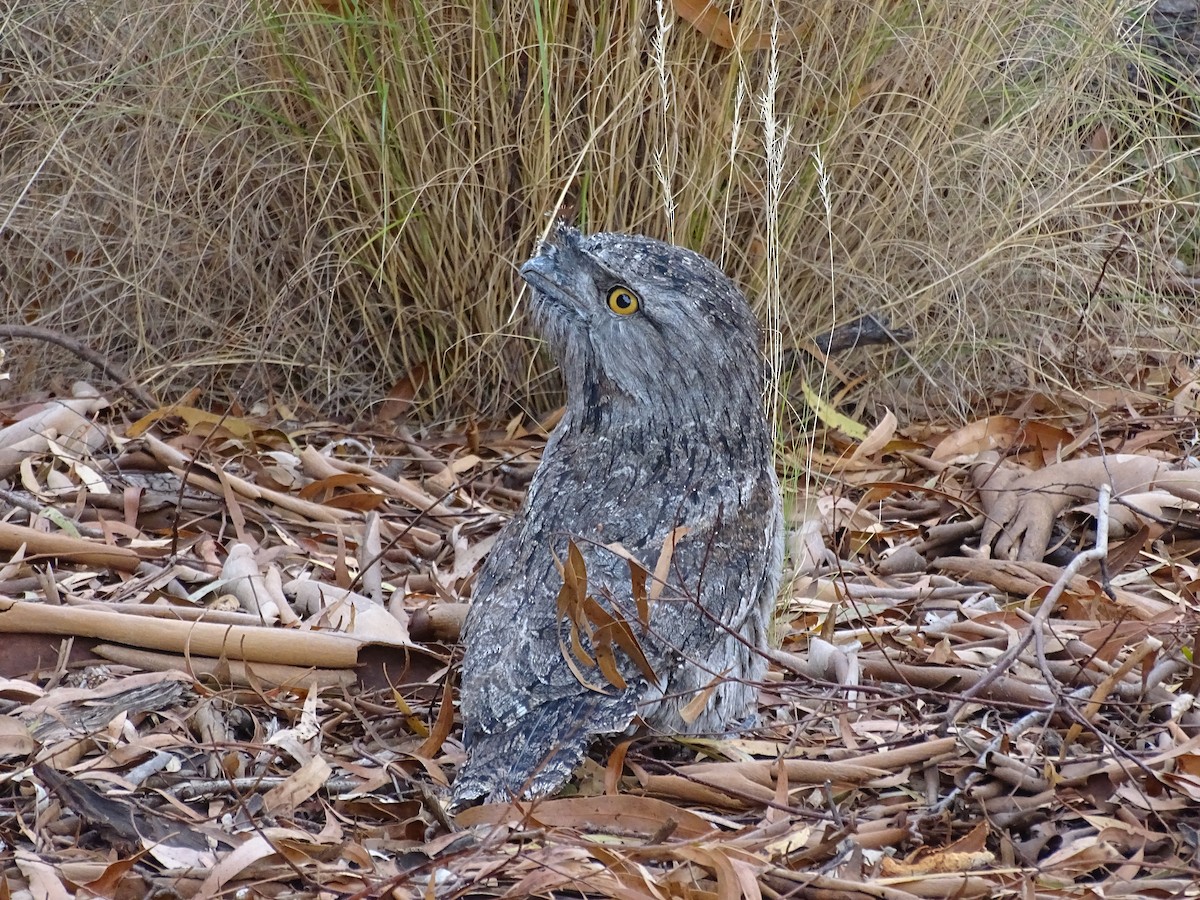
{"x": 663, "y": 457}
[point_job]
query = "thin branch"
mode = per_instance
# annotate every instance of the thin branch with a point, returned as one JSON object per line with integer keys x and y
{"x": 123, "y": 380}
{"x": 1002, "y": 665}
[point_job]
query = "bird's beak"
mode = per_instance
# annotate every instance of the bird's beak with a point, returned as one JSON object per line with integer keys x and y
{"x": 539, "y": 274}
{"x": 546, "y": 272}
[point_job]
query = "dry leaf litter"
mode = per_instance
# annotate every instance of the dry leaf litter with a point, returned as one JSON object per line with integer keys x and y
{"x": 227, "y": 646}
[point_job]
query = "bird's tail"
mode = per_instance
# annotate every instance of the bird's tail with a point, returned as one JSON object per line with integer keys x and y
{"x": 539, "y": 753}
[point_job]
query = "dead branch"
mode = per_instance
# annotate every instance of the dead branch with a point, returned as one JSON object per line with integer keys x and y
{"x": 120, "y": 377}
{"x": 1099, "y": 552}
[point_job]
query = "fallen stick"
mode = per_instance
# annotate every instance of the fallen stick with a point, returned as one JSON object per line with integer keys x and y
{"x": 201, "y": 475}
{"x": 239, "y": 674}
{"x": 1048, "y": 605}
{"x": 441, "y": 622}
{"x": 64, "y": 546}
{"x": 317, "y": 465}
{"x": 858, "y": 769}
{"x": 254, "y": 644}
{"x": 947, "y": 679}
{"x": 123, "y": 380}
{"x": 175, "y": 613}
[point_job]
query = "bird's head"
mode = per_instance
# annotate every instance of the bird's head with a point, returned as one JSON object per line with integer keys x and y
{"x": 645, "y": 328}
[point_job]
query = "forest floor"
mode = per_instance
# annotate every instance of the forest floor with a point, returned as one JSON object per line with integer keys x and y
{"x": 227, "y": 649}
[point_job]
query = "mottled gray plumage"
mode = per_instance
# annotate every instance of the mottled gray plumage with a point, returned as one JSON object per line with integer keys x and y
{"x": 664, "y": 427}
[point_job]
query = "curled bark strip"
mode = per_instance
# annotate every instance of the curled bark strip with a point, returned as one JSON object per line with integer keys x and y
{"x": 1100, "y": 551}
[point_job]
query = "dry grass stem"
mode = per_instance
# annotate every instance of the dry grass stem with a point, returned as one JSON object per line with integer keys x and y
{"x": 315, "y": 202}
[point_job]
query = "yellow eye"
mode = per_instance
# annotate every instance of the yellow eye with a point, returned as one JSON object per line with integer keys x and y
{"x": 623, "y": 301}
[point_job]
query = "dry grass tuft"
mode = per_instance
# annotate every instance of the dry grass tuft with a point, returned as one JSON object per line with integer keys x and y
{"x": 295, "y": 202}
{"x": 152, "y": 203}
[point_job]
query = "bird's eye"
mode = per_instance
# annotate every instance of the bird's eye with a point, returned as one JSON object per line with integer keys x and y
{"x": 623, "y": 301}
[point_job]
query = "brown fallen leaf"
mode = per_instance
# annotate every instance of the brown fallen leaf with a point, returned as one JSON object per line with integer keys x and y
{"x": 964, "y": 854}
{"x": 1022, "y": 506}
{"x": 1002, "y": 434}
{"x": 297, "y": 787}
{"x": 66, "y": 421}
{"x": 132, "y": 824}
{"x": 615, "y": 814}
{"x": 878, "y": 438}
{"x": 39, "y": 544}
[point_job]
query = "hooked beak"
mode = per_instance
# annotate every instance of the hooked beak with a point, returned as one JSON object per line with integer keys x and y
{"x": 548, "y": 272}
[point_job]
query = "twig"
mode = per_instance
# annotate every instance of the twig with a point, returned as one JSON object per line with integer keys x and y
{"x": 1002, "y": 665}
{"x": 432, "y": 806}
{"x": 866, "y": 329}
{"x": 122, "y": 378}
{"x": 665, "y": 830}
{"x": 200, "y": 789}
{"x": 36, "y": 509}
{"x": 1007, "y": 735}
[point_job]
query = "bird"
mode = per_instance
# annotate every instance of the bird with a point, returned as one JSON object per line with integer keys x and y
{"x": 634, "y": 587}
